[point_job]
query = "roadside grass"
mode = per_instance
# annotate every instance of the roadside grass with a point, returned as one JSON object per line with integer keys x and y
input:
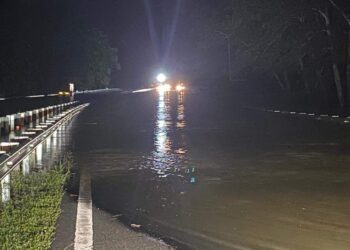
{"x": 28, "y": 220}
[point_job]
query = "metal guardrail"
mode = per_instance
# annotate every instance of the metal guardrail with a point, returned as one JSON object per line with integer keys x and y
{"x": 16, "y": 158}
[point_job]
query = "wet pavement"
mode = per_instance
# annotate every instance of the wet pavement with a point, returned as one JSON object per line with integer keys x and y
{"x": 109, "y": 233}
{"x": 203, "y": 172}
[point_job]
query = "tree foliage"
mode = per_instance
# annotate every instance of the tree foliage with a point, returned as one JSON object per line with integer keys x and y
{"x": 295, "y": 46}
{"x": 45, "y": 45}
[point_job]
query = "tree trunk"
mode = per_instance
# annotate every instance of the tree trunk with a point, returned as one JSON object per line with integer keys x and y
{"x": 278, "y": 79}
{"x": 348, "y": 67}
{"x": 286, "y": 79}
{"x": 338, "y": 84}
{"x": 346, "y": 17}
{"x": 335, "y": 68}
{"x": 304, "y": 75}
{"x": 323, "y": 88}
{"x": 229, "y": 58}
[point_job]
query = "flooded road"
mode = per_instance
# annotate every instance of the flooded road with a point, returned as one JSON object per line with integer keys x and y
{"x": 201, "y": 170}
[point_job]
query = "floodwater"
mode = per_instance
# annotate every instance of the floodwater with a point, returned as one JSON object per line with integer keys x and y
{"x": 203, "y": 171}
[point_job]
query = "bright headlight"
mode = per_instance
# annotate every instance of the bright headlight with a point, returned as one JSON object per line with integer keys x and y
{"x": 167, "y": 87}
{"x": 180, "y": 87}
{"x": 164, "y": 88}
{"x": 161, "y": 77}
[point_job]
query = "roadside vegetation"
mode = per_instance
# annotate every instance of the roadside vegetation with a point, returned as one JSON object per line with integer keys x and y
{"x": 28, "y": 221}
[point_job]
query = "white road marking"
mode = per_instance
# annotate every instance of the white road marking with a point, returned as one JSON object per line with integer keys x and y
{"x": 35, "y": 96}
{"x": 83, "y": 228}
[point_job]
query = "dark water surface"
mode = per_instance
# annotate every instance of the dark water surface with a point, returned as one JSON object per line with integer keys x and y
{"x": 202, "y": 170}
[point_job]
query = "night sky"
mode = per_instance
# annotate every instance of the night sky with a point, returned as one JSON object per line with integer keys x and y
{"x": 46, "y": 44}
{"x": 146, "y": 33}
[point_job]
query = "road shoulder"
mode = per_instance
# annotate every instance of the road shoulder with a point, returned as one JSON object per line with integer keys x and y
{"x": 65, "y": 227}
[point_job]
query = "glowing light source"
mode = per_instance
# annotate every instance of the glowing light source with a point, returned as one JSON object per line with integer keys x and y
{"x": 164, "y": 88}
{"x": 142, "y": 90}
{"x": 35, "y": 96}
{"x": 63, "y": 93}
{"x": 180, "y": 87}
{"x": 161, "y": 78}
{"x": 71, "y": 87}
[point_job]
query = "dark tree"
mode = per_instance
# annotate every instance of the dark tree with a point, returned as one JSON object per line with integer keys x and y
{"x": 45, "y": 45}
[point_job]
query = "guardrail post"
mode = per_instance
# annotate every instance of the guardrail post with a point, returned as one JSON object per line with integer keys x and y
{"x": 39, "y": 155}
{"x": 11, "y": 120}
{"x": 28, "y": 117}
{"x": 42, "y": 114}
{"x": 25, "y": 166}
{"x": 48, "y": 144}
{"x": 19, "y": 121}
{"x": 5, "y": 189}
{"x": 33, "y": 156}
{"x": 46, "y": 113}
{"x": 2, "y": 126}
{"x": 6, "y": 125}
{"x": 50, "y": 111}
{"x": 35, "y": 115}
{"x": 55, "y": 110}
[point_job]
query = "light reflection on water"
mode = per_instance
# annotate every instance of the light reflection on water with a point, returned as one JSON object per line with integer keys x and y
{"x": 169, "y": 155}
{"x": 245, "y": 196}
{"x": 48, "y": 151}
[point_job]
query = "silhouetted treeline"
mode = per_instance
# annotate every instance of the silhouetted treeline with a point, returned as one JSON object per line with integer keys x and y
{"x": 291, "y": 48}
{"x": 44, "y": 45}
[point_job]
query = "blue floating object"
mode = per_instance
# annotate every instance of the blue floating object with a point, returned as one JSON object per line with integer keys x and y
{"x": 193, "y": 180}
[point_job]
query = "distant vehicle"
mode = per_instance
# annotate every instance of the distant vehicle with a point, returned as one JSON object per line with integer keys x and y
{"x": 164, "y": 84}
{"x": 63, "y": 93}
{"x": 180, "y": 87}
{"x": 167, "y": 87}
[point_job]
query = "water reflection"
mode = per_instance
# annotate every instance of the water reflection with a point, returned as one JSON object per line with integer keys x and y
{"x": 169, "y": 153}
{"x": 234, "y": 193}
{"x": 162, "y": 141}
